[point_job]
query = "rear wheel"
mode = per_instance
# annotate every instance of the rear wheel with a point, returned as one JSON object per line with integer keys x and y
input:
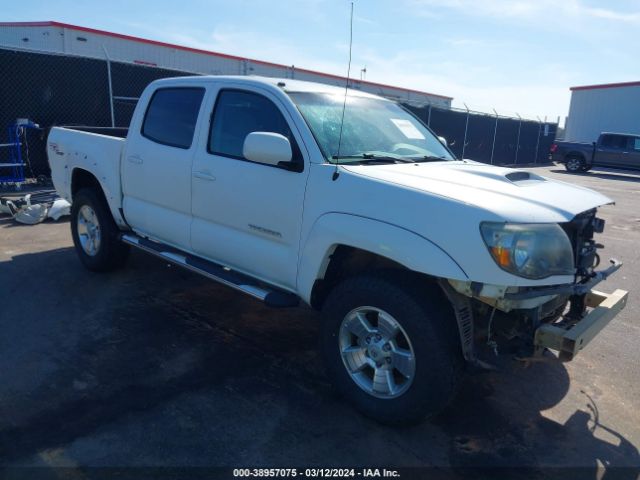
{"x": 391, "y": 347}
{"x": 94, "y": 232}
{"x": 575, "y": 164}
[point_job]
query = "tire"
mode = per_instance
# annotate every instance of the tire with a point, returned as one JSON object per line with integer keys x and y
{"x": 575, "y": 164}
{"x": 91, "y": 220}
{"x": 424, "y": 317}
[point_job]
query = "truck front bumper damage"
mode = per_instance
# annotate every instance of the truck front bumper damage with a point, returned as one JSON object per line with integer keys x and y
{"x": 590, "y": 311}
{"x": 568, "y": 338}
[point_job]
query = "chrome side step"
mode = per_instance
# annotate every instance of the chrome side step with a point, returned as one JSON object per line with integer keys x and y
{"x": 271, "y": 296}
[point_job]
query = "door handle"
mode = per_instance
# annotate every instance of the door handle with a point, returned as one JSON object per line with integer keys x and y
{"x": 204, "y": 176}
{"x": 135, "y": 159}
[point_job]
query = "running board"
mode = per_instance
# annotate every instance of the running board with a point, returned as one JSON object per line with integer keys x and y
{"x": 271, "y": 296}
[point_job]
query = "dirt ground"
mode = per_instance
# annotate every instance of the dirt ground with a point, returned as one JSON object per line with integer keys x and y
{"x": 153, "y": 366}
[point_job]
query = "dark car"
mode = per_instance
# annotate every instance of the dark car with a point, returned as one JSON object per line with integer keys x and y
{"x": 618, "y": 150}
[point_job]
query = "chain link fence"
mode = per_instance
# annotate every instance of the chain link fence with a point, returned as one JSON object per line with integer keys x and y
{"x": 493, "y": 139}
{"x": 53, "y": 89}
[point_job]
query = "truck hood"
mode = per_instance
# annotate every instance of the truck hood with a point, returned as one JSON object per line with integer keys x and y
{"x": 514, "y": 195}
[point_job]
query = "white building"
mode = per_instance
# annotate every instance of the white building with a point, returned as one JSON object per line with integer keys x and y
{"x": 61, "y": 38}
{"x": 613, "y": 107}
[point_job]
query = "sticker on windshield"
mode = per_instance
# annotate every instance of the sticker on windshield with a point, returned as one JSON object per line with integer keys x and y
{"x": 408, "y": 129}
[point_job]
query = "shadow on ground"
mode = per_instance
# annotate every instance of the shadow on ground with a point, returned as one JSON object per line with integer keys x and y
{"x": 622, "y": 175}
{"x": 154, "y": 366}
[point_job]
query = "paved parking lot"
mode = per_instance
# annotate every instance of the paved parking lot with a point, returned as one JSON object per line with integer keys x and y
{"x": 155, "y": 366}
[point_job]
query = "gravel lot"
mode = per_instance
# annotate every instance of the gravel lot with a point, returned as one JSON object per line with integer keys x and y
{"x": 153, "y": 366}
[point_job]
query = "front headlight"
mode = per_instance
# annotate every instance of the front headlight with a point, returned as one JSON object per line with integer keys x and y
{"x": 529, "y": 250}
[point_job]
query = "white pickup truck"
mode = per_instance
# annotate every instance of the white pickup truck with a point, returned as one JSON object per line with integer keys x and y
{"x": 421, "y": 263}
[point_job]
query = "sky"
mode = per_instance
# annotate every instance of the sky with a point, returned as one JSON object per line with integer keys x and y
{"x": 514, "y": 56}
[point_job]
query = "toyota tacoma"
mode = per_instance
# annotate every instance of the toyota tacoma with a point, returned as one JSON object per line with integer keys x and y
{"x": 293, "y": 192}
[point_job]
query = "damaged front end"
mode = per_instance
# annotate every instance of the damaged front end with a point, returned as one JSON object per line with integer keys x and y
{"x": 526, "y": 321}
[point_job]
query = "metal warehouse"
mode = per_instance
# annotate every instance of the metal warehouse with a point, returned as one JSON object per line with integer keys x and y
{"x": 613, "y": 107}
{"x": 61, "y": 38}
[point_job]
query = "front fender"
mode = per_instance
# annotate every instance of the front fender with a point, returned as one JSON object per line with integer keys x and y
{"x": 387, "y": 240}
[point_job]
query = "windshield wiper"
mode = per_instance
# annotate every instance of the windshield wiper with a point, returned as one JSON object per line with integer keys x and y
{"x": 428, "y": 158}
{"x": 369, "y": 158}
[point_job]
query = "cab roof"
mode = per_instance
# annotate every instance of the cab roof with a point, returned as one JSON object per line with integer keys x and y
{"x": 286, "y": 84}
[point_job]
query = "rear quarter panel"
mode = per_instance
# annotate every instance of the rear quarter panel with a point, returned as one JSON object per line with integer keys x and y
{"x": 69, "y": 150}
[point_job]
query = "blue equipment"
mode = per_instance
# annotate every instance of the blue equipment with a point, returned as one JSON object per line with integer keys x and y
{"x": 13, "y": 170}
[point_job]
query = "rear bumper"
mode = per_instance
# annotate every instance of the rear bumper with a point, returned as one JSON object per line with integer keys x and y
{"x": 569, "y": 338}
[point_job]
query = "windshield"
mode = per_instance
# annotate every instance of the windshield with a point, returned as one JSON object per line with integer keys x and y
{"x": 374, "y": 129}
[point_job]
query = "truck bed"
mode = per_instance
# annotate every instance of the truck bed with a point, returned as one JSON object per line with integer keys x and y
{"x": 562, "y": 149}
{"x": 119, "y": 132}
{"x": 97, "y": 150}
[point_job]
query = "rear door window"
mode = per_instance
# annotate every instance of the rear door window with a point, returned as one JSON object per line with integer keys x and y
{"x": 614, "y": 141}
{"x": 172, "y": 115}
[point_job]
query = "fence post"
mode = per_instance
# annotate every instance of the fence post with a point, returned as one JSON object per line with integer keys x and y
{"x": 113, "y": 117}
{"x": 429, "y": 117}
{"x": 538, "y": 141}
{"x": 495, "y": 131}
{"x": 466, "y": 126}
{"x": 518, "y": 141}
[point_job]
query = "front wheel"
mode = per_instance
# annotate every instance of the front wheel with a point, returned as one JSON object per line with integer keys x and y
{"x": 95, "y": 233}
{"x": 391, "y": 347}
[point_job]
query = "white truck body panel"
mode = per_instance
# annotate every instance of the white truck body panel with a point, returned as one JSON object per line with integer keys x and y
{"x": 156, "y": 182}
{"x": 253, "y": 211}
{"x": 536, "y": 200}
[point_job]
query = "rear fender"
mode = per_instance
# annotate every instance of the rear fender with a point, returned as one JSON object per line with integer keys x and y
{"x": 575, "y": 153}
{"x": 75, "y": 154}
{"x": 110, "y": 192}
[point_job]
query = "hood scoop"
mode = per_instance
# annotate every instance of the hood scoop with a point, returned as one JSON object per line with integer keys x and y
{"x": 519, "y": 176}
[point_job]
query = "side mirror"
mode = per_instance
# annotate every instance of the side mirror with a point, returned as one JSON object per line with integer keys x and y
{"x": 443, "y": 141}
{"x": 267, "y": 147}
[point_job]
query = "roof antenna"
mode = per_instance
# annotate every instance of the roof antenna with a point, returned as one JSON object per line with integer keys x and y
{"x": 336, "y": 172}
